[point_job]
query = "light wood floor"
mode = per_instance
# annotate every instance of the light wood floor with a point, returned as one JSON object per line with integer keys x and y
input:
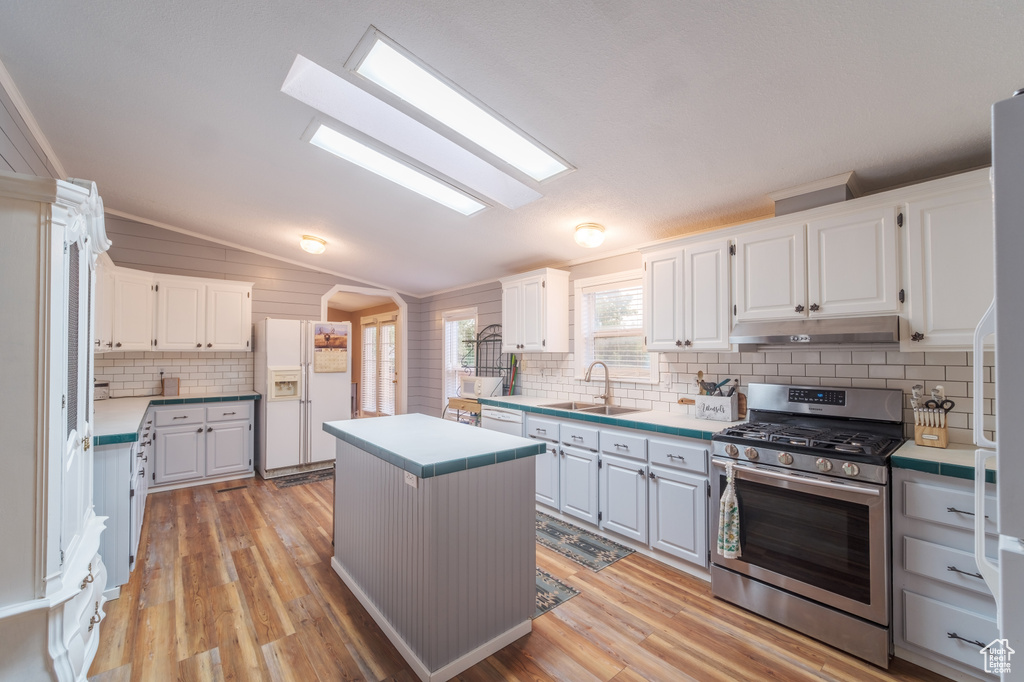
{"x": 237, "y": 585}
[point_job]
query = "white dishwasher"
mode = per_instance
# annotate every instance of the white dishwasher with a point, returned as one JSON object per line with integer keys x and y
{"x": 502, "y": 420}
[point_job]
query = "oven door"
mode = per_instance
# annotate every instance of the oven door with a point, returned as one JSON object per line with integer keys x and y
{"x": 815, "y": 536}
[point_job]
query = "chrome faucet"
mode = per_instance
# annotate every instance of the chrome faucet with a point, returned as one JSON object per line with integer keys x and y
{"x": 607, "y": 381}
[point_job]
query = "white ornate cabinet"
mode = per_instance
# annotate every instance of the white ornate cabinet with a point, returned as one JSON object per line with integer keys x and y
{"x": 51, "y": 597}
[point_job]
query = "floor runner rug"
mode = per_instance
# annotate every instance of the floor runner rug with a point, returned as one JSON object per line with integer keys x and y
{"x": 582, "y": 546}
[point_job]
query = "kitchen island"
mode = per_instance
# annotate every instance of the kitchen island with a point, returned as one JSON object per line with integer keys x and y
{"x": 434, "y": 534}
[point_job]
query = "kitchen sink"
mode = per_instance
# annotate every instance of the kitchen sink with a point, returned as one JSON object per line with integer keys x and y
{"x": 608, "y": 410}
{"x": 570, "y": 406}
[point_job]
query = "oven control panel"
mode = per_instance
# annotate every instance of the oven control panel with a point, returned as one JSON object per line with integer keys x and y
{"x": 817, "y": 396}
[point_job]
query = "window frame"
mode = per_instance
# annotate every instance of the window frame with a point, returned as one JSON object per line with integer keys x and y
{"x": 579, "y": 342}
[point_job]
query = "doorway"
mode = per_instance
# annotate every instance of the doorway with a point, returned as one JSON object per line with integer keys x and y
{"x": 379, "y": 349}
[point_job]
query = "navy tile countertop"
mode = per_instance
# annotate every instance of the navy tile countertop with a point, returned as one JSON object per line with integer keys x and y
{"x": 117, "y": 420}
{"x": 667, "y": 423}
{"x": 427, "y": 446}
{"x": 955, "y": 461}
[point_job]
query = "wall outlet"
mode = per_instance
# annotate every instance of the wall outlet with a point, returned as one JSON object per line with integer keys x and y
{"x": 411, "y": 480}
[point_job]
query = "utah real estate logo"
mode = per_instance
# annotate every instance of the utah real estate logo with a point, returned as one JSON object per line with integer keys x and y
{"x": 997, "y": 656}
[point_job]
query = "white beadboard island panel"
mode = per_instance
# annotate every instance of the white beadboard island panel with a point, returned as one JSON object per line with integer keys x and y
{"x": 446, "y": 568}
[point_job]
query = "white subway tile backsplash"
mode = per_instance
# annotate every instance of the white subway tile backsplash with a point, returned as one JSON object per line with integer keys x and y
{"x": 921, "y": 372}
{"x": 868, "y": 357}
{"x": 898, "y": 358}
{"x": 138, "y": 373}
{"x": 807, "y": 357}
{"x": 886, "y": 371}
{"x": 851, "y": 371}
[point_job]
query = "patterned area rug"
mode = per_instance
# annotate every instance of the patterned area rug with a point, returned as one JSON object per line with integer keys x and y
{"x": 583, "y": 547}
{"x": 304, "y": 477}
{"x": 551, "y": 592}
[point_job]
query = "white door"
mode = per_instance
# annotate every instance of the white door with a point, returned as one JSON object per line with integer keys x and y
{"x": 328, "y": 399}
{"x": 949, "y": 252}
{"x": 180, "y": 453}
{"x": 708, "y": 306}
{"x": 104, "y": 302}
{"x": 624, "y": 497}
{"x": 771, "y": 274}
{"x": 379, "y": 380}
{"x": 533, "y": 311}
{"x": 228, "y": 316}
{"x": 180, "y": 314}
{"x": 852, "y": 264}
{"x": 228, "y": 448}
{"x": 678, "y": 514}
{"x": 663, "y": 300}
{"x": 579, "y": 484}
{"x": 511, "y": 317}
{"x": 547, "y": 476}
{"x": 133, "y": 310}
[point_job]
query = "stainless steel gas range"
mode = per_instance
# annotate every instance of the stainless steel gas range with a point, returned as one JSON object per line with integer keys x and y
{"x": 811, "y": 476}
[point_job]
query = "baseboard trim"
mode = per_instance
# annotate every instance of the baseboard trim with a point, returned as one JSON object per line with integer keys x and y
{"x": 448, "y": 671}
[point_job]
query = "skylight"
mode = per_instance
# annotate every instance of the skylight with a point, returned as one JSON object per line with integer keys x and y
{"x": 401, "y": 73}
{"x": 374, "y": 161}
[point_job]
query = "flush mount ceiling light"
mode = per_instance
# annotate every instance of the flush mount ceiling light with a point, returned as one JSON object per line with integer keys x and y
{"x": 396, "y": 171}
{"x": 313, "y": 244}
{"x": 589, "y": 235}
{"x": 382, "y": 61}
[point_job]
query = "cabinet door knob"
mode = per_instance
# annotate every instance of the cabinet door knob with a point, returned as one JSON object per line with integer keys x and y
{"x": 117, "y": 345}
{"x": 688, "y": 343}
{"x": 679, "y": 343}
{"x": 814, "y": 308}
{"x": 653, "y": 475}
{"x": 209, "y": 345}
{"x": 916, "y": 336}
{"x": 199, "y": 345}
{"x": 799, "y": 308}
{"x": 641, "y": 472}
{"x": 209, "y": 428}
{"x": 199, "y": 430}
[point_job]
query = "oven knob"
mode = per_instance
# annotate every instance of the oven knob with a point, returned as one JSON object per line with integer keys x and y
{"x": 731, "y": 450}
{"x": 785, "y": 458}
{"x": 751, "y": 453}
{"x": 850, "y": 469}
{"x": 823, "y": 464}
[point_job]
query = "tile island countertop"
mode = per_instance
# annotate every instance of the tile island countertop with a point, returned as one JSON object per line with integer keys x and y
{"x": 117, "y": 420}
{"x": 655, "y": 421}
{"x": 427, "y": 446}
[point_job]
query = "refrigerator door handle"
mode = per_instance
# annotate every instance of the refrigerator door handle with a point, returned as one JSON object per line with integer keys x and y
{"x": 989, "y": 571}
{"x": 986, "y": 327}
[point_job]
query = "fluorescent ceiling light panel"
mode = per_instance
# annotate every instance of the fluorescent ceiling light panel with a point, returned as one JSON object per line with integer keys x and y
{"x": 401, "y": 73}
{"x": 340, "y": 99}
{"x": 375, "y": 161}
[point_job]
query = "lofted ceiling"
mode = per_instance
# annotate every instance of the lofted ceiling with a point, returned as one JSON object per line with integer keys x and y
{"x": 678, "y": 116}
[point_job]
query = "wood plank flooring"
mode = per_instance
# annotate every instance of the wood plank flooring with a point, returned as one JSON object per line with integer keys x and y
{"x": 237, "y": 585}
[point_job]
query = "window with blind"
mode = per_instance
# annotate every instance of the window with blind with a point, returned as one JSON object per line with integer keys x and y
{"x": 459, "y": 350}
{"x": 378, "y": 366}
{"x": 609, "y": 327}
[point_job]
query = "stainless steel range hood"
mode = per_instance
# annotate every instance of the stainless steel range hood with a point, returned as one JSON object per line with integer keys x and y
{"x": 880, "y": 329}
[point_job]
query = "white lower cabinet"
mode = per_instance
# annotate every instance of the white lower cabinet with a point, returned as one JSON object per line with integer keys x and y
{"x": 943, "y": 613}
{"x": 180, "y": 453}
{"x": 678, "y": 509}
{"x": 623, "y": 497}
{"x": 547, "y": 476}
{"x": 228, "y": 448}
{"x": 195, "y": 443}
{"x": 579, "y": 488}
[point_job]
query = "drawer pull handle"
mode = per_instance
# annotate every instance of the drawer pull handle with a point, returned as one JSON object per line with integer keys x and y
{"x": 540, "y": 430}
{"x": 622, "y": 445}
{"x": 679, "y": 457}
{"x": 226, "y": 414}
{"x": 954, "y": 510}
{"x": 953, "y": 635}
{"x": 94, "y": 621}
{"x": 87, "y": 579}
{"x": 184, "y": 416}
{"x": 957, "y": 570}
{"x": 577, "y": 437}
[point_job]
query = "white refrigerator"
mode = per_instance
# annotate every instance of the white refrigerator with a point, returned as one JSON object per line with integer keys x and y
{"x": 1005, "y": 320}
{"x": 303, "y": 370}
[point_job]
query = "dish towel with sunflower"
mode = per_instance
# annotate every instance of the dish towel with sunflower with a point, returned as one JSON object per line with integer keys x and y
{"x": 729, "y": 517}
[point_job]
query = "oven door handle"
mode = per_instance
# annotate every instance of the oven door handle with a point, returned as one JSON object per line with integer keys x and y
{"x": 813, "y": 482}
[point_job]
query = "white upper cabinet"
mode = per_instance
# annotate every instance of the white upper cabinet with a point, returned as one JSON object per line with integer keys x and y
{"x": 228, "y": 315}
{"x": 181, "y": 307}
{"x": 133, "y": 310}
{"x": 104, "y": 301}
{"x": 707, "y": 319}
{"x": 686, "y": 297}
{"x": 771, "y": 274}
{"x": 535, "y": 312}
{"x": 663, "y": 300}
{"x": 852, "y": 264}
{"x": 948, "y": 264}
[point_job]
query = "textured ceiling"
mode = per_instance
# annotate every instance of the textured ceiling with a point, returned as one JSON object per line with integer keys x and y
{"x": 678, "y": 115}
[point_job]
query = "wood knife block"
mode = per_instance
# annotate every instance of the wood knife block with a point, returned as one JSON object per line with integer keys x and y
{"x": 931, "y": 436}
